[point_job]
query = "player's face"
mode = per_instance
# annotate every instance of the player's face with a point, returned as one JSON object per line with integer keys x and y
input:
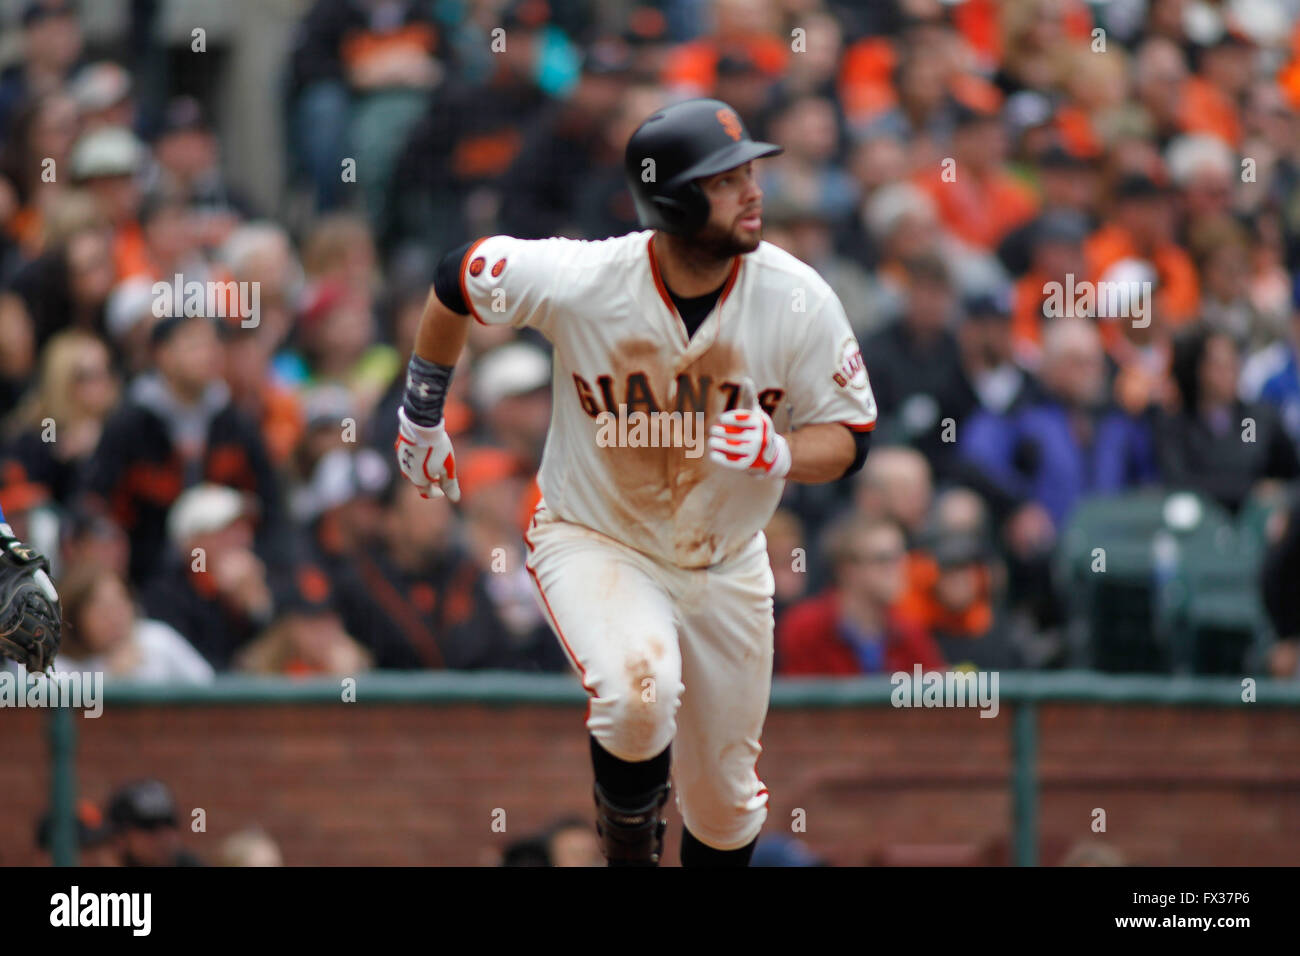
{"x": 878, "y": 563}
{"x": 735, "y": 223}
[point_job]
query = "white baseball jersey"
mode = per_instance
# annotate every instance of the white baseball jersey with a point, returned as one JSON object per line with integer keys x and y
{"x": 628, "y": 382}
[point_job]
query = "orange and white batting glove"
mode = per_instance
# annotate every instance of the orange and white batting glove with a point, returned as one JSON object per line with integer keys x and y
{"x": 745, "y": 439}
{"x": 425, "y": 455}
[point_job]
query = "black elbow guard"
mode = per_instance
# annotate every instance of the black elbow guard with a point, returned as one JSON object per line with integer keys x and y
{"x": 446, "y": 280}
{"x": 861, "y": 444}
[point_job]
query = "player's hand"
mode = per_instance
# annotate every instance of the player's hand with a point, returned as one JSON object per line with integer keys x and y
{"x": 745, "y": 439}
{"x": 426, "y": 458}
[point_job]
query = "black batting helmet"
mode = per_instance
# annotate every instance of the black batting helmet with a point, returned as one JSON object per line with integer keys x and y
{"x": 676, "y": 146}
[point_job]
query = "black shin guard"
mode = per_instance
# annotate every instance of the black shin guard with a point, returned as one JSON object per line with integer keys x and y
{"x": 695, "y": 853}
{"x": 630, "y": 797}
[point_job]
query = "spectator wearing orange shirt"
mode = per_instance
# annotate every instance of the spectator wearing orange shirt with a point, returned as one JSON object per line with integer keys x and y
{"x": 1142, "y": 226}
{"x": 1057, "y": 252}
{"x": 983, "y": 201}
{"x": 1097, "y": 95}
{"x": 1223, "y": 78}
{"x": 952, "y": 593}
{"x": 746, "y": 28}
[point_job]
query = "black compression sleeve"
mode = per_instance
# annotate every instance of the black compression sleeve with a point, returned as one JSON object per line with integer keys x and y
{"x": 446, "y": 280}
{"x": 426, "y": 390}
{"x": 862, "y": 442}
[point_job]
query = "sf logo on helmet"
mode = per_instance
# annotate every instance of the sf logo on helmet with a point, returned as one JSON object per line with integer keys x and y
{"x": 730, "y": 124}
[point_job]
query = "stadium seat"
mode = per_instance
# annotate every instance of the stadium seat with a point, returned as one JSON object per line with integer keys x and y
{"x": 1178, "y": 591}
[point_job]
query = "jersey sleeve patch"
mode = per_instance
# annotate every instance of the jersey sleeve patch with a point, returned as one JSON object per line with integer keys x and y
{"x": 467, "y": 268}
{"x": 851, "y": 371}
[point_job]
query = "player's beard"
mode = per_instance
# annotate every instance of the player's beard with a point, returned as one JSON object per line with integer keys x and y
{"x": 714, "y": 243}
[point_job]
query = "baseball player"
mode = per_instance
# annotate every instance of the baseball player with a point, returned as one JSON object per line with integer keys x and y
{"x": 30, "y": 623}
{"x": 647, "y": 555}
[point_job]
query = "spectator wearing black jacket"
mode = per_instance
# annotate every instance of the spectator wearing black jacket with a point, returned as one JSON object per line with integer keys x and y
{"x": 68, "y": 285}
{"x": 564, "y": 149}
{"x": 1068, "y": 183}
{"x": 55, "y": 430}
{"x": 1281, "y": 597}
{"x": 343, "y": 51}
{"x": 176, "y": 428}
{"x": 212, "y": 588}
{"x": 51, "y": 48}
{"x": 915, "y": 366}
{"x": 458, "y": 152}
{"x": 417, "y": 599}
{"x": 145, "y": 826}
{"x": 1217, "y": 444}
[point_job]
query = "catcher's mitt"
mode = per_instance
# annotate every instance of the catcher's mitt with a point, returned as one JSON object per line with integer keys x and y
{"x": 30, "y": 621}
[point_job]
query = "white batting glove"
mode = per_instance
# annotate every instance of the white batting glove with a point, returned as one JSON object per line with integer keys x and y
{"x": 745, "y": 439}
{"x": 425, "y": 455}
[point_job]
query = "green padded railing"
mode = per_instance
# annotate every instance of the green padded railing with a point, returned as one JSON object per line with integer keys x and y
{"x": 1021, "y": 691}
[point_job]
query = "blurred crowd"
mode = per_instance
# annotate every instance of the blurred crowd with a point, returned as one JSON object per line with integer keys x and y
{"x": 140, "y": 825}
{"x": 217, "y": 495}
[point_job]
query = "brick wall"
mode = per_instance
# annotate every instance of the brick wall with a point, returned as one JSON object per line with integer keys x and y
{"x": 418, "y": 785}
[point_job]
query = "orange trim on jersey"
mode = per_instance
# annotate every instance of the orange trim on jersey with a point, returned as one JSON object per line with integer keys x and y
{"x": 731, "y": 280}
{"x": 668, "y": 299}
{"x": 663, "y": 290}
{"x": 461, "y": 276}
{"x": 859, "y": 428}
{"x": 555, "y": 623}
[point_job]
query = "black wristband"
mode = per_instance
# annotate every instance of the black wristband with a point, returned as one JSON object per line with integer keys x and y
{"x": 426, "y": 390}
